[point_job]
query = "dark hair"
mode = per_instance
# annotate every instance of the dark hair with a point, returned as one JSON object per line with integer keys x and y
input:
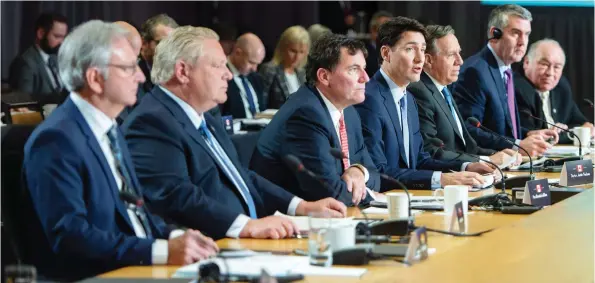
{"x": 326, "y": 53}
{"x": 392, "y": 30}
{"x": 147, "y": 30}
{"x": 436, "y": 32}
{"x": 46, "y": 21}
{"x": 380, "y": 14}
{"x": 226, "y": 31}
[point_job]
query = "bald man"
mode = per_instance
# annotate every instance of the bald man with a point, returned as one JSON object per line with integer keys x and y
{"x": 136, "y": 41}
{"x": 544, "y": 91}
{"x": 245, "y": 92}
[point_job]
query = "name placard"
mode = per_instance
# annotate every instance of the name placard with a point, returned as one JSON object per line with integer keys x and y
{"x": 537, "y": 193}
{"x": 577, "y": 172}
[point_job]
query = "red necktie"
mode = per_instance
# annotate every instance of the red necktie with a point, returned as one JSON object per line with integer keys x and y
{"x": 344, "y": 143}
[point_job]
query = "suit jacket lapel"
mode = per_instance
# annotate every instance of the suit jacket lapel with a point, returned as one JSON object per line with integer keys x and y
{"x": 500, "y": 84}
{"x": 442, "y": 102}
{"x": 329, "y": 121}
{"x": 391, "y": 108}
{"x": 282, "y": 81}
{"x": 47, "y": 81}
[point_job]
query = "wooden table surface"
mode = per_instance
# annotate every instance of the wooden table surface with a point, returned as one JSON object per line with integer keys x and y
{"x": 552, "y": 245}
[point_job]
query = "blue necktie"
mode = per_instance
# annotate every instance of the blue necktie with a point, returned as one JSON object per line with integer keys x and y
{"x": 228, "y": 167}
{"x": 112, "y": 135}
{"x": 405, "y": 126}
{"x": 448, "y": 98}
{"x": 249, "y": 96}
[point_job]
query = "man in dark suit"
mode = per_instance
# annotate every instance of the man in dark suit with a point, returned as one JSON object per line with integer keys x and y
{"x": 77, "y": 168}
{"x": 153, "y": 31}
{"x": 389, "y": 114}
{"x": 136, "y": 42}
{"x": 542, "y": 92}
{"x": 35, "y": 71}
{"x": 245, "y": 92}
{"x": 439, "y": 116}
{"x": 317, "y": 118}
{"x": 186, "y": 162}
{"x": 485, "y": 88}
{"x": 378, "y": 19}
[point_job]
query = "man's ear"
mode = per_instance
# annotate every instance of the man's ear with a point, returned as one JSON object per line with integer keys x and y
{"x": 40, "y": 33}
{"x": 181, "y": 72}
{"x": 95, "y": 80}
{"x": 385, "y": 53}
{"x": 323, "y": 76}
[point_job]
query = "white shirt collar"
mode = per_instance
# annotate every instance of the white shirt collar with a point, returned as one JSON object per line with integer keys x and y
{"x": 396, "y": 91}
{"x": 194, "y": 116}
{"x": 233, "y": 69}
{"x": 501, "y": 65}
{"x": 439, "y": 86}
{"x": 98, "y": 121}
{"x": 44, "y": 55}
{"x": 335, "y": 113}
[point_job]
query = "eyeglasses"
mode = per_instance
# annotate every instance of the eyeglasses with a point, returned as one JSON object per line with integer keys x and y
{"x": 129, "y": 70}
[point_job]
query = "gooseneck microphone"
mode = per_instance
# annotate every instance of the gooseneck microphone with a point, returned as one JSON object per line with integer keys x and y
{"x": 440, "y": 144}
{"x": 137, "y": 204}
{"x": 580, "y": 144}
{"x": 473, "y": 121}
{"x": 589, "y": 102}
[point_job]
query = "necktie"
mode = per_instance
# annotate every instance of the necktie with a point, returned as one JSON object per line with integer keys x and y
{"x": 448, "y": 98}
{"x": 228, "y": 167}
{"x": 112, "y": 135}
{"x": 249, "y": 96}
{"x": 344, "y": 143}
{"x": 511, "y": 104}
{"x": 405, "y": 126}
{"x": 545, "y": 106}
{"x": 53, "y": 65}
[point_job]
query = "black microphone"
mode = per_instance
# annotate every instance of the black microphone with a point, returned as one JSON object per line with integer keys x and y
{"x": 473, "y": 121}
{"x": 338, "y": 154}
{"x": 580, "y": 144}
{"x": 589, "y": 102}
{"x": 440, "y": 144}
{"x": 137, "y": 203}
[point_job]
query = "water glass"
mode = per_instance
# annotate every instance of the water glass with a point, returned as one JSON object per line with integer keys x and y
{"x": 319, "y": 247}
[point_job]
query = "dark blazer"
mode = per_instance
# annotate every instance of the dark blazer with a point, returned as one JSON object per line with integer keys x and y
{"x": 436, "y": 121}
{"x": 144, "y": 66}
{"x": 382, "y": 133}
{"x": 563, "y": 108}
{"x": 235, "y": 105}
{"x": 481, "y": 93}
{"x": 28, "y": 74}
{"x": 372, "y": 59}
{"x": 275, "y": 87}
{"x": 180, "y": 175}
{"x": 303, "y": 127}
{"x": 81, "y": 227}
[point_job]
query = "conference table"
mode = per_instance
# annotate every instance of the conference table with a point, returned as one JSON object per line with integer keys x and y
{"x": 555, "y": 244}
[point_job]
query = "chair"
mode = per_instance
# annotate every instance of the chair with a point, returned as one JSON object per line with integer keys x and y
{"x": 245, "y": 145}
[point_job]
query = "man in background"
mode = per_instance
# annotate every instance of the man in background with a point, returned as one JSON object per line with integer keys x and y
{"x": 378, "y": 19}
{"x": 153, "y": 31}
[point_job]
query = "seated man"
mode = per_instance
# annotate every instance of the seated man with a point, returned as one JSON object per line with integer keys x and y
{"x": 186, "y": 162}
{"x": 77, "y": 169}
{"x": 541, "y": 92}
{"x": 245, "y": 92}
{"x": 439, "y": 116}
{"x": 389, "y": 114}
{"x": 153, "y": 30}
{"x": 318, "y": 118}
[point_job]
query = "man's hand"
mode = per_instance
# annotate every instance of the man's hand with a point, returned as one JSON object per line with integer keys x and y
{"x": 356, "y": 184}
{"x": 563, "y": 126}
{"x": 545, "y": 134}
{"x": 479, "y": 167}
{"x": 190, "y": 247}
{"x": 535, "y": 145}
{"x": 270, "y": 227}
{"x": 327, "y": 206}
{"x": 461, "y": 178}
{"x": 499, "y": 156}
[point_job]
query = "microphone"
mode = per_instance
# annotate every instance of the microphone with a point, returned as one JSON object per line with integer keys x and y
{"x": 440, "y": 144}
{"x": 580, "y": 144}
{"x": 296, "y": 165}
{"x": 130, "y": 198}
{"x": 137, "y": 203}
{"x": 338, "y": 154}
{"x": 473, "y": 121}
{"x": 588, "y": 101}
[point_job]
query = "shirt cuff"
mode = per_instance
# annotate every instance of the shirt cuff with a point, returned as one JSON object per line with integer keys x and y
{"x": 364, "y": 169}
{"x": 237, "y": 226}
{"x": 159, "y": 251}
{"x": 517, "y": 143}
{"x": 371, "y": 193}
{"x": 176, "y": 233}
{"x": 295, "y": 201}
{"x": 436, "y": 176}
{"x": 464, "y": 166}
{"x": 484, "y": 158}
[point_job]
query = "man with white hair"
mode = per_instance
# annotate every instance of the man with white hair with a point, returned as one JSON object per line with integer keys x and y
{"x": 185, "y": 160}
{"x": 78, "y": 173}
{"x": 544, "y": 92}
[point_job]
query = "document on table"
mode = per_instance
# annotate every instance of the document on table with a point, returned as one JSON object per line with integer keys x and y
{"x": 303, "y": 223}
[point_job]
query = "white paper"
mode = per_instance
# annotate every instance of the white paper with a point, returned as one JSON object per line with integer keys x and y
{"x": 380, "y": 210}
{"x": 275, "y": 265}
{"x": 303, "y": 223}
{"x": 508, "y": 160}
{"x": 259, "y": 122}
{"x": 565, "y": 151}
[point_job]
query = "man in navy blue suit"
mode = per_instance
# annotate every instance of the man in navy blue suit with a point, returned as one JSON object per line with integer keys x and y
{"x": 485, "y": 88}
{"x": 77, "y": 168}
{"x": 186, "y": 162}
{"x": 318, "y": 118}
{"x": 390, "y": 119}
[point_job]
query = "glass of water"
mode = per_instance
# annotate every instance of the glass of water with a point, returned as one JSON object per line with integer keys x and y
{"x": 319, "y": 248}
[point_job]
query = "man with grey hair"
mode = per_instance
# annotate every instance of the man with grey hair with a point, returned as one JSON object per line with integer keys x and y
{"x": 377, "y": 19}
{"x": 79, "y": 176}
{"x": 185, "y": 160}
{"x": 543, "y": 92}
{"x": 153, "y": 31}
{"x": 439, "y": 117}
{"x": 485, "y": 88}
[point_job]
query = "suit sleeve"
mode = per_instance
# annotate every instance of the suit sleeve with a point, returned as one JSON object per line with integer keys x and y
{"x": 160, "y": 164}
{"x": 274, "y": 197}
{"x": 54, "y": 174}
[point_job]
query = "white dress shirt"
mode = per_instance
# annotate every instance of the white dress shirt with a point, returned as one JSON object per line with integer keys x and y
{"x": 546, "y": 106}
{"x": 238, "y": 81}
{"x": 238, "y": 224}
{"x": 46, "y": 58}
{"x": 293, "y": 84}
{"x": 100, "y": 125}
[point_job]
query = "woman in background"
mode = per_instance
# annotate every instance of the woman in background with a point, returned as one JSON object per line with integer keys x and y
{"x": 284, "y": 74}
